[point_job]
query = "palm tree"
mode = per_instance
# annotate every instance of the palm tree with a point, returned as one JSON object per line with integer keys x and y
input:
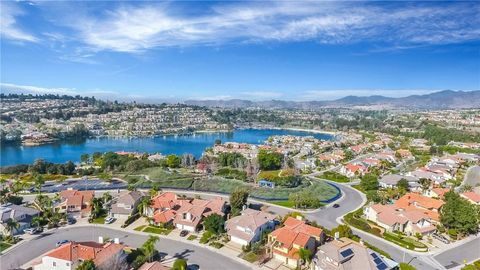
{"x": 97, "y": 207}
{"x": 425, "y": 182}
{"x": 149, "y": 247}
{"x": 143, "y": 205}
{"x": 11, "y": 226}
{"x": 305, "y": 255}
{"x": 39, "y": 181}
{"x": 106, "y": 197}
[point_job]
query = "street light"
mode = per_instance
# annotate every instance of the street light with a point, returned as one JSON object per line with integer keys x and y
{"x": 411, "y": 259}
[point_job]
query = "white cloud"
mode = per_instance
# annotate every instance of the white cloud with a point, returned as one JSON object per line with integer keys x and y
{"x": 138, "y": 28}
{"x": 28, "y": 89}
{"x": 9, "y": 28}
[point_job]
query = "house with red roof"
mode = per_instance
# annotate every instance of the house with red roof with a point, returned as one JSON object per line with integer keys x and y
{"x": 68, "y": 256}
{"x": 412, "y": 213}
{"x": 352, "y": 170}
{"x": 75, "y": 203}
{"x": 184, "y": 213}
{"x": 285, "y": 242}
{"x": 471, "y": 197}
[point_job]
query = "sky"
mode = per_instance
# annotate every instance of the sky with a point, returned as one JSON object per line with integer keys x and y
{"x": 257, "y": 50}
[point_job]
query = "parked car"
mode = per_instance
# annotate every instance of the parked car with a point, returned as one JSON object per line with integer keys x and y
{"x": 183, "y": 233}
{"x": 109, "y": 220}
{"x": 61, "y": 242}
{"x": 34, "y": 230}
{"x": 336, "y": 205}
{"x": 71, "y": 221}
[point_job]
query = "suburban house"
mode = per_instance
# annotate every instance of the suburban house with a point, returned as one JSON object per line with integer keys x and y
{"x": 285, "y": 242}
{"x": 249, "y": 226}
{"x": 344, "y": 253}
{"x": 391, "y": 181}
{"x": 410, "y": 214}
{"x": 184, "y": 213}
{"x": 126, "y": 204}
{"x": 75, "y": 203}
{"x": 351, "y": 170}
{"x": 21, "y": 214}
{"x": 68, "y": 256}
{"x": 472, "y": 197}
{"x": 153, "y": 266}
{"x": 190, "y": 215}
{"x": 436, "y": 192}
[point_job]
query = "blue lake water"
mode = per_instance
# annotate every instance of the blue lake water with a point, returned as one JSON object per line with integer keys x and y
{"x": 195, "y": 144}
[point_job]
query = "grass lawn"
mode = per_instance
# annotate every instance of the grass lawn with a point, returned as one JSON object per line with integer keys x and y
{"x": 405, "y": 242}
{"x": 140, "y": 228}
{"x": 4, "y": 246}
{"x": 151, "y": 229}
{"x": 334, "y": 176}
{"x": 268, "y": 174}
{"x": 250, "y": 257}
{"x": 100, "y": 220}
{"x": 284, "y": 203}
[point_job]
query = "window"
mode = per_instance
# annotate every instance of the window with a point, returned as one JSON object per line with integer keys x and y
{"x": 68, "y": 264}
{"x": 54, "y": 264}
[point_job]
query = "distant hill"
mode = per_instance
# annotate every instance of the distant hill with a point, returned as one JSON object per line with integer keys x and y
{"x": 446, "y": 99}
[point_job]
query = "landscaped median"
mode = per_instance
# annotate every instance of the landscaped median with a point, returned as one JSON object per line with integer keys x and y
{"x": 154, "y": 229}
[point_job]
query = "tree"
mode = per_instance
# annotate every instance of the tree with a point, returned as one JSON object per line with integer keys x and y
{"x": 458, "y": 214}
{"x": 214, "y": 223}
{"x": 173, "y": 161}
{"x": 97, "y": 207}
{"x": 84, "y": 158}
{"x": 86, "y": 265}
{"x": 238, "y": 198}
{"x": 403, "y": 184}
{"x": 180, "y": 264}
{"x": 11, "y": 226}
{"x": 269, "y": 160}
{"x": 343, "y": 231}
{"x": 36, "y": 221}
{"x": 106, "y": 197}
{"x": 425, "y": 183}
{"x": 144, "y": 204}
{"x": 39, "y": 181}
{"x": 369, "y": 182}
{"x": 149, "y": 247}
{"x": 305, "y": 255}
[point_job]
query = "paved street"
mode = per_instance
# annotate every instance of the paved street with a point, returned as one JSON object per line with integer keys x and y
{"x": 196, "y": 256}
{"x": 453, "y": 257}
{"x": 472, "y": 176}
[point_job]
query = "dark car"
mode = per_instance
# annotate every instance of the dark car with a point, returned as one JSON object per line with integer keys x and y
{"x": 183, "y": 233}
{"x": 71, "y": 221}
{"x": 336, "y": 205}
{"x": 61, "y": 242}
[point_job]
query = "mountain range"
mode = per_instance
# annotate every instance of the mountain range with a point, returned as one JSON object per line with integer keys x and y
{"x": 446, "y": 99}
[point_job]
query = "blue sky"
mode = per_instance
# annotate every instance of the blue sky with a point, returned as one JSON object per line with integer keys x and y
{"x": 292, "y": 50}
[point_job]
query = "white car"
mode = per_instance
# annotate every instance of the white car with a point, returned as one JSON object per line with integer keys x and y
{"x": 109, "y": 220}
{"x": 32, "y": 230}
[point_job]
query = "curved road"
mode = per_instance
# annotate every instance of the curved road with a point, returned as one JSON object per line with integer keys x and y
{"x": 203, "y": 257}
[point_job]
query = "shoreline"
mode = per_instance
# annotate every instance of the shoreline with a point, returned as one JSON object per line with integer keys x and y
{"x": 311, "y": 131}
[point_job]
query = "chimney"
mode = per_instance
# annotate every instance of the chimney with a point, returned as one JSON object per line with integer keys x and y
{"x": 244, "y": 207}
{"x": 337, "y": 235}
{"x": 100, "y": 239}
{"x": 116, "y": 240}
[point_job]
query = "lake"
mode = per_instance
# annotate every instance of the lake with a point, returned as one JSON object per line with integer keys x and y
{"x": 195, "y": 144}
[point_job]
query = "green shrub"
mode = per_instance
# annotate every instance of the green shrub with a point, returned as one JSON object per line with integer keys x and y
{"x": 205, "y": 237}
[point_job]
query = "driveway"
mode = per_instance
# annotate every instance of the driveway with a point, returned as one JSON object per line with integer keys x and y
{"x": 203, "y": 257}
